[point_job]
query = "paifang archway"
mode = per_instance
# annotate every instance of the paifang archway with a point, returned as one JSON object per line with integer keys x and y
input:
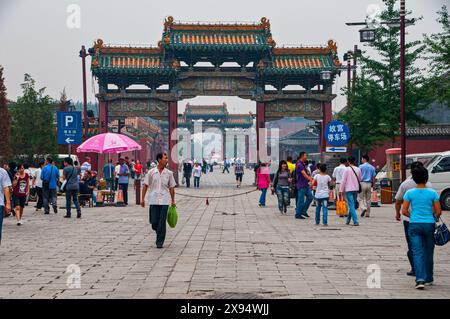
{"x": 251, "y": 46}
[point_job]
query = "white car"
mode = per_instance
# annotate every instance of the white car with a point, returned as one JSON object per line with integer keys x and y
{"x": 439, "y": 177}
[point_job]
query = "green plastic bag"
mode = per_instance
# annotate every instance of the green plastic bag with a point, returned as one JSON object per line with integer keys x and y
{"x": 172, "y": 216}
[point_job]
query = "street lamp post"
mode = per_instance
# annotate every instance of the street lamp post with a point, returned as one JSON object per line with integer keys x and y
{"x": 402, "y": 90}
{"x": 368, "y": 34}
{"x": 83, "y": 56}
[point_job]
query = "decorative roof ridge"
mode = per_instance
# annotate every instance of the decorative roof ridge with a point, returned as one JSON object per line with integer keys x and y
{"x": 100, "y": 47}
{"x": 331, "y": 48}
{"x": 170, "y": 24}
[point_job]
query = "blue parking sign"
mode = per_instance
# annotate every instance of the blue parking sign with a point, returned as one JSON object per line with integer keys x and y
{"x": 337, "y": 133}
{"x": 69, "y": 128}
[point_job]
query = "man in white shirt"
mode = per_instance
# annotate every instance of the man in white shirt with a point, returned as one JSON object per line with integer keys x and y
{"x": 162, "y": 184}
{"x": 37, "y": 182}
{"x": 116, "y": 174}
{"x": 403, "y": 188}
{"x": 337, "y": 177}
{"x": 5, "y": 197}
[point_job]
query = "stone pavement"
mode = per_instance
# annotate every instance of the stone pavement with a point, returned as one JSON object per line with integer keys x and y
{"x": 231, "y": 248}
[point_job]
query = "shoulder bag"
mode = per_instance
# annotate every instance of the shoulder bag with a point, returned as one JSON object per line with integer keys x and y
{"x": 441, "y": 234}
{"x": 46, "y": 184}
{"x": 63, "y": 186}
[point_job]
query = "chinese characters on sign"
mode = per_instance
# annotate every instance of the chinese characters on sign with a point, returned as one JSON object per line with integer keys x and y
{"x": 337, "y": 133}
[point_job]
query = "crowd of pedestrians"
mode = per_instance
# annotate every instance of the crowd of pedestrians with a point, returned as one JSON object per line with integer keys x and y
{"x": 417, "y": 204}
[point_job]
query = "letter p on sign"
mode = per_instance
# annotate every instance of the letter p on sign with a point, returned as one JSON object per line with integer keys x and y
{"x": 68, "y": 120}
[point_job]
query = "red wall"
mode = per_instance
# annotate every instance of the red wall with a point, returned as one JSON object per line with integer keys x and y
{"x": 413, "y": 146}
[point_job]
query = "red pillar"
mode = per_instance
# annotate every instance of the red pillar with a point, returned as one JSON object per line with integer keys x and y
{"x": 173, "y": 150}
{"x": 260, "y": 125}
{"x": 103, "y": 128}
{"x": 247, "y": 148}
{"x": 326, "y": 118}
{"x": 224, "y": 144}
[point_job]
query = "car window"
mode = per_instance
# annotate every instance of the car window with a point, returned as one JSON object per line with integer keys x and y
{"x": 443, "y": 165}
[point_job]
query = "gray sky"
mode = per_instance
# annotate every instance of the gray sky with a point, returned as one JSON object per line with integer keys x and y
{"x": 35, "y": 38}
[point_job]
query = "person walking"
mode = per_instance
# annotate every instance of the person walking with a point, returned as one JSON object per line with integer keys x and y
{"x": 350, "y": 185}
{"x": 5, "y": 197}
{"x": 72, "y": 187}
{"x": 290, "y": 164}
{"x": 281, "y": 185}
{"x": 322, "y": 182}
{"x": 337, "y": 179}
{"x": 425, "y": 211}
{"x": 50, "y": 177}
{"x": 197, "y": 173}
{"x": 86, "y": 166}
{"x": 37, "y": 183}
{"x": 108, "y": 174}
{"x": 21, "y": 189}
{"x": 403, "y": 188}
{"x": 303, "y": 188}
{"x": 187, "y": 172}
{"x": 367, "y": 182}
{"x": 204, "y": 166}
{"x": 161, "y": 185}
{"x": 116, "y": 175}
{"x": 239, "y": 172}
{"x": 225, "y": 166}
{"x": 263, "y": 182}
{"x": 137, "y": 168}
{"x": 124, "y": 174}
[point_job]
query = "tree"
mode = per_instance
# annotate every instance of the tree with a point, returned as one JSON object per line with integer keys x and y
{"x": 374, "y": 105}
{"x": 438, "y": 48}
{"x": 5, "y": 121}
{"x": 33, "y": 125}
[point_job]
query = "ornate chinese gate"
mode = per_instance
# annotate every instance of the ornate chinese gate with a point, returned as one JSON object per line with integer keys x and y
{"x": 172, "y": 63}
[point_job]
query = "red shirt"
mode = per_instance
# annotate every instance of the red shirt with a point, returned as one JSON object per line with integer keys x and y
{"x": 20, "y": 189}
{"x": 138, "y": 168}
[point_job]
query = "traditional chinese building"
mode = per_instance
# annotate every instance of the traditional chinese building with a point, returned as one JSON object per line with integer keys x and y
{"x": 170, "y": 73}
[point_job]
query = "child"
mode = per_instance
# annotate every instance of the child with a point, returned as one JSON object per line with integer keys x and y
{"x": 322, "y": 181}
{"x": 263, "y": 182}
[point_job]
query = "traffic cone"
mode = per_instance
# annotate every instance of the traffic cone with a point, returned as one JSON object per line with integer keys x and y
{"x": 374, "y": 201}
{"x": 120, "y": 201}
{"x": 99, "y": 199}
{"x": 331, "y": 198}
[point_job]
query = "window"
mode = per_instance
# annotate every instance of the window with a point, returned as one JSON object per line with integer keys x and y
{"x": 443, "y": 166}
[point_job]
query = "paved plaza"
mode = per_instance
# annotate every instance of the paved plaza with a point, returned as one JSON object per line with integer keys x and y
{"x": 231, "y": 248}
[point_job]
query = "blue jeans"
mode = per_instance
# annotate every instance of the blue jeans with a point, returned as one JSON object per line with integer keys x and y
{"x": 262, "y": 198}
{"x": 1, "y": 221}
{"x": 322, "y": 202}
{"x": 72, "y": 195}
{"x": 283, "y": 197}
{"x": 352, "y": 197}
{"x": 408, "y": 241}
{"x": 422, "y": 244}
{"x": 302, "y": 205}
{"x": 196, "y": 181}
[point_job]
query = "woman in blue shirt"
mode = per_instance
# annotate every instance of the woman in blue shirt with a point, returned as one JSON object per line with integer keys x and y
{"x": 425, "y": 210}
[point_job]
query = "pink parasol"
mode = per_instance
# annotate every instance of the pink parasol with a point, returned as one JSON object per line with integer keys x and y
{"x": 107, "y": 143}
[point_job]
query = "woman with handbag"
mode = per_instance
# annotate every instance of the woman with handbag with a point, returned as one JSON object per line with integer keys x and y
{"x": 351, "y": 186}
{"x": 281, "y": 185}
{"x": 425, "y": 212}
{"x": 71, "y": 187}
